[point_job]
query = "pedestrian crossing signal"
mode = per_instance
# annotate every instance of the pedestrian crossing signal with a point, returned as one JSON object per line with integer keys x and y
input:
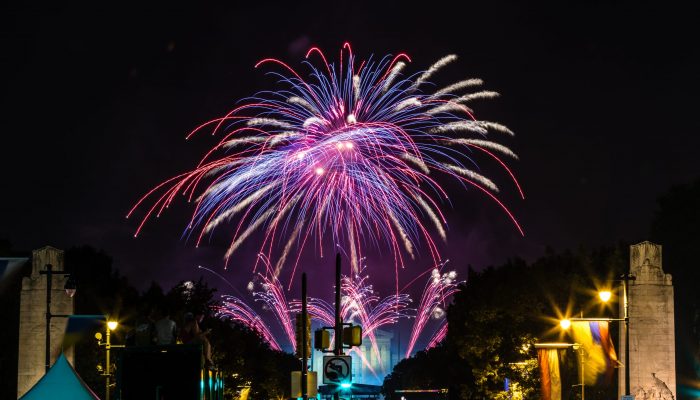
{"x": 352, "y": 335}
{"x": 322, "y": 339}
{"x": 299, "y": 333}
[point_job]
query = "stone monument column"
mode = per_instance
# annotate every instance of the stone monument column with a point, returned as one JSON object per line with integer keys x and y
{"x": 32, "y": 318}
{"x": 652, "y": 339}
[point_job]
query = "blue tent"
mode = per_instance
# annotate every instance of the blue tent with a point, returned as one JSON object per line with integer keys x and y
{"x": 61, "y": 382}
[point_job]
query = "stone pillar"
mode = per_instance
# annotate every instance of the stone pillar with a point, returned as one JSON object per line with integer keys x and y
{"x": 652, "y": 339}
{"x": 32, "y": 318}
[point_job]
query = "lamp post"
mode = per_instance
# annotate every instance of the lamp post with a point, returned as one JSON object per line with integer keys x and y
{"x": 70, "y": 288}
{"x": 111, "y": 325}
{"x": 605, "y": 296}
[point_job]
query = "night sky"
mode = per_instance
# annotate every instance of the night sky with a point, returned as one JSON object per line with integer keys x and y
{"x": 96, "y": 103}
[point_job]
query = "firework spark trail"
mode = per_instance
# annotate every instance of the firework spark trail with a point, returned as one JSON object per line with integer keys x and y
{"x": 341, "y": 144}
{"x": 237, "y": 310}
{"x": 436, "y": 221}
{"x": 457, "y": 86}
{"x": 360, "y": 304}
{"x": 285, "y": 253}
{"x": 273, "y": 297}
{"x": 437, "y": 337}
{"x": 440, "y": 286}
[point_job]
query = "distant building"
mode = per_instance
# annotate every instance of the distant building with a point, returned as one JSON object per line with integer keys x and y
{"x": 374, "y": 367}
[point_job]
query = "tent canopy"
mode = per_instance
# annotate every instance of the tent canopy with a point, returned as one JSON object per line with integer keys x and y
{"x": 60, "y": 383}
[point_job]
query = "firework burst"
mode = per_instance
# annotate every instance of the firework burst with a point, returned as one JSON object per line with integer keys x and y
{"x": 440, "y": 286}
{"x": 349, "y": 152}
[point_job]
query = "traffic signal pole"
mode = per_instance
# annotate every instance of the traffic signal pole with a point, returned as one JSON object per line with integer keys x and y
{"x": 338, "y": 321}
{"x": 304, "y": 350}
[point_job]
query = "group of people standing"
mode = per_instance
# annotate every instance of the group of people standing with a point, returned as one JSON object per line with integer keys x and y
{"x": 157, "y": 328}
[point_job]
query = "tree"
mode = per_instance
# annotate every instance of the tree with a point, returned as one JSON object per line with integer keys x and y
{"x": 101, "y": 290}
{"x": 499, "y": 314}
{"x": 240, "y": 354}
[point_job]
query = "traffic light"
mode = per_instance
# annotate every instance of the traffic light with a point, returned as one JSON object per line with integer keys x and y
{"x": 299, "y": 333}
{"x": 322, "y": 339}
{"x": 352, "y": 335}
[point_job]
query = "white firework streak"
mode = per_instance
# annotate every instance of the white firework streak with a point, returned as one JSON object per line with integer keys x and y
{"x": 271, "y": 139}
{"x": 257, "y": 223}
{"x": 470, "y": 126}
{"x": 280, "y": 137}
{"x": 487, "y": 144}
{"x": 432, "y": 215}
{"x": 449, "y": 107}
{"x": 393, "y": 74}
{"x": 434, "y": 68}
{"x": 408, "y": 102}
{"x": 313, "y": 120}
{"x": 457, "y": 103}
{"x": 287, "y": 247}
{"x": 356, "y": 87}
{"x": 299, "y": 101}
{"x": 353, "y": 252}
{"x": 218, "y": 169}
{"x": 238, "y": 208}
{"x": 456, "y": 86}
{"x": 406, "y": 241}
{"x": 473, "y": 176}
{"x": 484, "y": 94}
{"x": 496, "y": 127}
{"x": 417, "y": 161}
{"x": 268, "y": 122}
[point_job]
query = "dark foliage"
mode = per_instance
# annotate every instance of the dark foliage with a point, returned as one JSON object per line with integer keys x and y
{"x": 497, "y": 317}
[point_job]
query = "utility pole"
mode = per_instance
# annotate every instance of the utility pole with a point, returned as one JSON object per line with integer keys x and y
{"x": 338, "y": 321}
{"x": 304, "y": 318}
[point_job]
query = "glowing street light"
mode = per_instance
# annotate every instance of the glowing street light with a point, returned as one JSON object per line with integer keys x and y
{"x": 107, "y": 344}
{"x": 565, "y": 324}
{"x": 604, "y": 295}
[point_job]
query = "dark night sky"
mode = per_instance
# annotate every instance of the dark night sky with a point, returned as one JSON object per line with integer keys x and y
{"x": 96, "y": 103}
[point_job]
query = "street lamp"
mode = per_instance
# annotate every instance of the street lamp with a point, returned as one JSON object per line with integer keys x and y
{"x": 70, "y": 288}
{"x": 565, "y": 324}
{"x": 111, "y": 325}
{"x": 604, "y": 295}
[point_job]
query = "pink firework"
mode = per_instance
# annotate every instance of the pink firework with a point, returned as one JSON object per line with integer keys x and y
{"x": 438, "y": 289}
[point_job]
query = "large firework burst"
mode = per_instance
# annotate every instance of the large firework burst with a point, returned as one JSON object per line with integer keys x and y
{"x": 351, "y": 152}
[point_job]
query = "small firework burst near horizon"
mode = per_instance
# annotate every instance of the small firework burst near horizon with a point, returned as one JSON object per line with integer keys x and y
{"x": 354, "y": 152}
{"x": 360, "y": 304}
{"x": 438, "y": 290}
